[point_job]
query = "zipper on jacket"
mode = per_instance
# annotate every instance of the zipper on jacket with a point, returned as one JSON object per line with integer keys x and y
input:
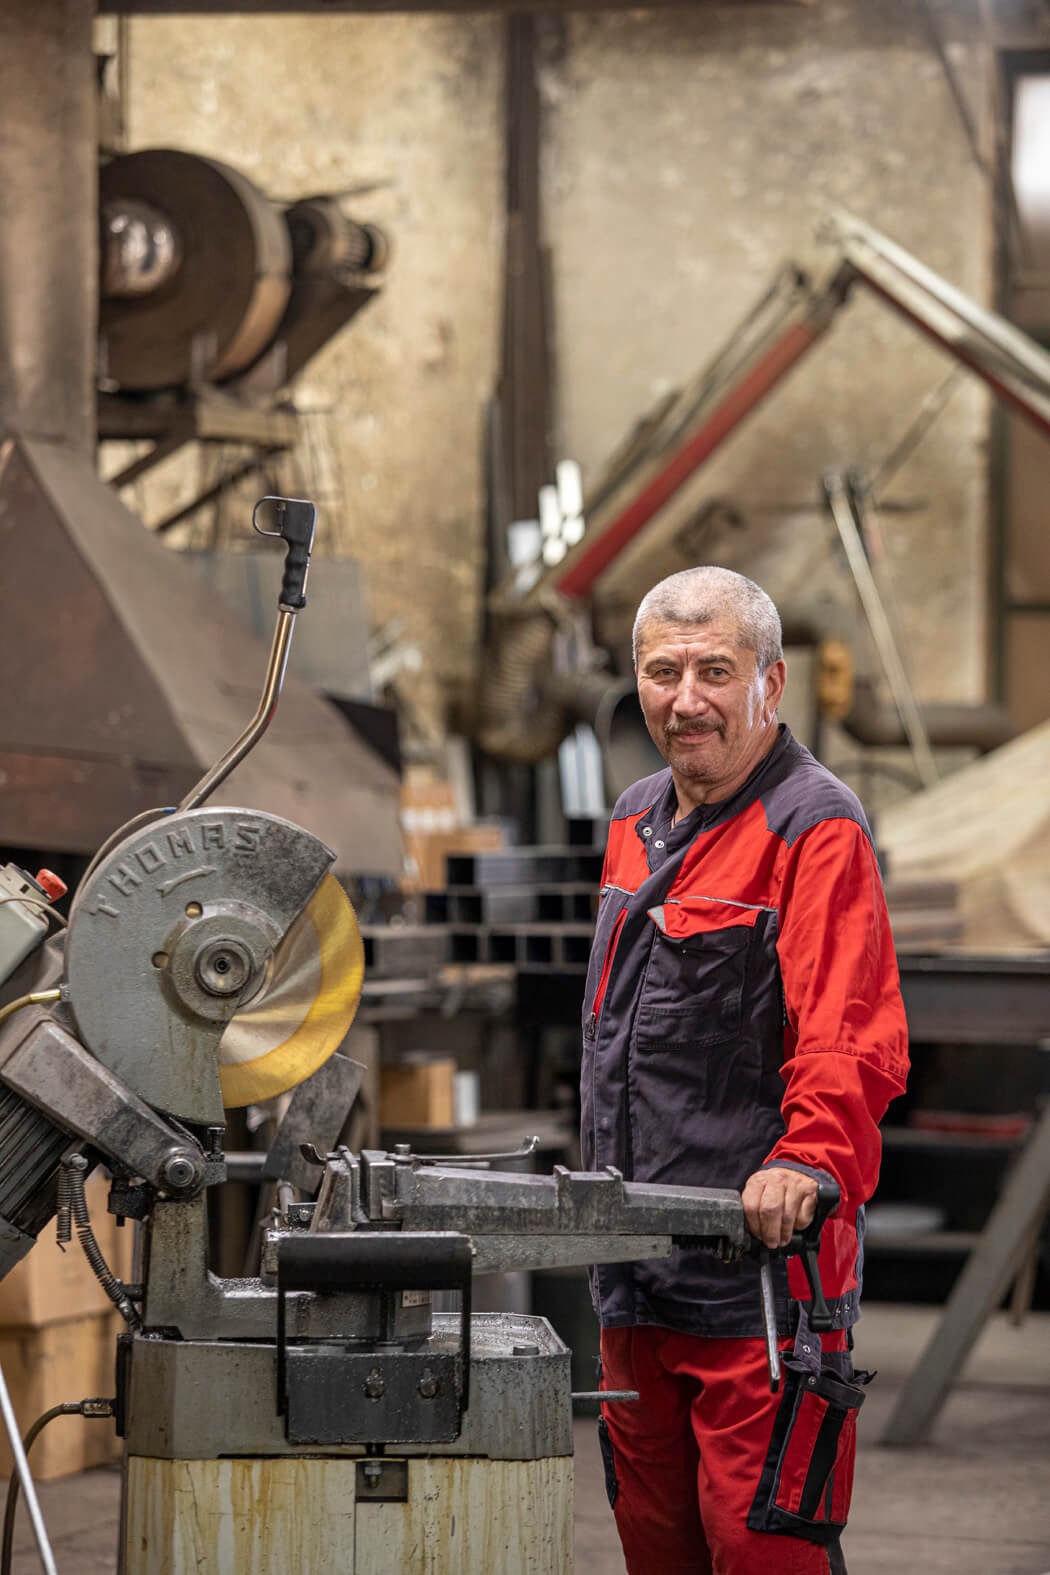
{"x": 603, "y": 978}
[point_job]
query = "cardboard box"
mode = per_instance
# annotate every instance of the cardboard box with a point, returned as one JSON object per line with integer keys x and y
{"x": 432, "y": 827}
{"x": 73, "y": 1360}
{"x": 51, "y": 1286}
{"x": 416, "y": 1093}
{"x": 426, "y": 852}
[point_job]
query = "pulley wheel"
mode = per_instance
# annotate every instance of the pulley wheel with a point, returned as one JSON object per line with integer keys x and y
{"x": 221, "y": 306}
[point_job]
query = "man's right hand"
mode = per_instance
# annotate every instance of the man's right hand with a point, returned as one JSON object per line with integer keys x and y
{"x": 778, "y": 1202}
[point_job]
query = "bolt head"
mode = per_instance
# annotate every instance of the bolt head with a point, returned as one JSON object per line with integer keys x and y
{"x": 224, "y": 966}
{"x": 179, "y": 1171}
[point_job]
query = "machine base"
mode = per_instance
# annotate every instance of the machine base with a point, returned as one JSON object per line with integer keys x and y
{"x": 310, "y": 1516}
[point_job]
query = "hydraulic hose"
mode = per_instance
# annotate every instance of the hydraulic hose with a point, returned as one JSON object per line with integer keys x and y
{"x": 89, "y": 1408}
{"x": 516, "y": 719}
{"x": 72, "y": 1202}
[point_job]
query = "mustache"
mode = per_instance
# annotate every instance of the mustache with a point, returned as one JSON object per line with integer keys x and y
{"x": 691, "y": 729}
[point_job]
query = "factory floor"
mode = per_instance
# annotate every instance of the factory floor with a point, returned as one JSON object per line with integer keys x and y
{"x": 974, "y": 1501}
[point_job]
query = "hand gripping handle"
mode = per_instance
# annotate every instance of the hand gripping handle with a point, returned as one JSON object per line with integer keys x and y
{"x": 293, "y": 519}
{"x": 806, "y": 1243}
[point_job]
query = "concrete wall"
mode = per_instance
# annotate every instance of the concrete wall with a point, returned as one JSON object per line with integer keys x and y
{"x": 686, "y": 153}
{"x": 321, "y": 104}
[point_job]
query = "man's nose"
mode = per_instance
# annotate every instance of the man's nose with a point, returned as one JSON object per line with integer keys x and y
{"x": 690, "y": 696}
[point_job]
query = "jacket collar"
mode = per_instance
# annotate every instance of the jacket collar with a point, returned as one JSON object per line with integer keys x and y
{"x": 706, "y": 816}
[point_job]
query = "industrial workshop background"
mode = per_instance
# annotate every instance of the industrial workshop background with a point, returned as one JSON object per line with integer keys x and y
{"x": 539, "y": 304}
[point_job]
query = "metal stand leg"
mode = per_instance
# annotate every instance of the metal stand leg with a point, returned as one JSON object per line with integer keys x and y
{"x": 989, "y": 1269}
{"x": 47, "y": 1558}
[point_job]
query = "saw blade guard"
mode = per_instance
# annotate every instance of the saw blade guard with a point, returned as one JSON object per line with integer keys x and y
{"x": 212, "y": 960}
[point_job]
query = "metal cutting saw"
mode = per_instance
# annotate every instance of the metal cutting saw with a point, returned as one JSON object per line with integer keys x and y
{"x": 323, "y": 1416}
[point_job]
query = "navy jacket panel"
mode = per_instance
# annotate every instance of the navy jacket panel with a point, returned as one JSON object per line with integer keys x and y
{"x": 686, "y": 1023}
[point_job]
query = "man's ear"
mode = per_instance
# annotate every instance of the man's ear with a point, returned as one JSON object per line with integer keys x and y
{"x": 775, "y": 681}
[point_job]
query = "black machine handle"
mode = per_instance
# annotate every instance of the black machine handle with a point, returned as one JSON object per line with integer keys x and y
{"x": 295, "y": 519}
{"x": 806, "y": 1245}
{"x": 374, "y": 1261}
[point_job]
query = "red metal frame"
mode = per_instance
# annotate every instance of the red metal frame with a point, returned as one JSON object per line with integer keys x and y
{"x": 582, "y": 571}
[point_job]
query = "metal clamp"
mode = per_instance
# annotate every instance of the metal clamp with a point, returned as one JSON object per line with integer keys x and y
{"x": 374, "y": 1261}
{"x": 402, "y": 1153}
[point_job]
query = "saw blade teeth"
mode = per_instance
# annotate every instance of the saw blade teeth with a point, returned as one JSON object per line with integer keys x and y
{"x": 306, "y": 1009}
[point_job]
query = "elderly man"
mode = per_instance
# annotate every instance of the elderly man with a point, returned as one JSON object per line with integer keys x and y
{"x": 743, "y": 1028}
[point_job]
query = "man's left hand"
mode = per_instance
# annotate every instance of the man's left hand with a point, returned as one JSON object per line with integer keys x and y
{"x": 777, "y": 1202}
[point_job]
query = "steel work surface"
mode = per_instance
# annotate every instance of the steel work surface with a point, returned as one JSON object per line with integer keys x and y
{"x": 972, "y": 1502}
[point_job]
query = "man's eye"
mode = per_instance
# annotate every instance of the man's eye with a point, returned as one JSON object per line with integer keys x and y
{"x": 717, "y": 672}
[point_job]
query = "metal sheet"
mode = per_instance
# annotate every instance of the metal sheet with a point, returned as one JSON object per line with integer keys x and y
{"x": 970, "y": 999}
{"x": 317, "y": 1113}
{"x": 150, "y": 683}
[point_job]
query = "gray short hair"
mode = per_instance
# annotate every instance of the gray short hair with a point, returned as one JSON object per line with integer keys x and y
{"x": 701, "y": 594}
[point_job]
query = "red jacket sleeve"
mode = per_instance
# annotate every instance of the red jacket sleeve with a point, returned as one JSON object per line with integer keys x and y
{"x": 846, "y": 1037}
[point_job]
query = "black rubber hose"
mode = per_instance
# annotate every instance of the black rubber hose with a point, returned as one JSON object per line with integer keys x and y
{"x": 114, "y": 1288}
{"x": 68, "y": 1408}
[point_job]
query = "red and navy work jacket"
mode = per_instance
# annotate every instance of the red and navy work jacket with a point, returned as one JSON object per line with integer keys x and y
{"x": 742, "y": 1010}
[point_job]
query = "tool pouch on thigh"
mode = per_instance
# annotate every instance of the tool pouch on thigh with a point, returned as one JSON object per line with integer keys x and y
{"x": 806, "y": 1482}
{"x": 605, "y": 1444}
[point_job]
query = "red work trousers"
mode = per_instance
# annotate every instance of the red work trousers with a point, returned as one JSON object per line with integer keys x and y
{"x": 687, "y": 1455}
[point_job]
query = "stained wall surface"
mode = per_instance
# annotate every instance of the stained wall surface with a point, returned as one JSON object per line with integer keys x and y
{"x": 690, "y": 154}
{"x": 686, "y": 154}
{"x": 303, "y": 105}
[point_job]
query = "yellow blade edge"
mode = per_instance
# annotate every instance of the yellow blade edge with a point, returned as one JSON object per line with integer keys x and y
{"x": 320, "y": 1031}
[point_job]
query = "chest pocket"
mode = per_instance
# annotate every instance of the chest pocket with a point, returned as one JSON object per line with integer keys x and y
{"x": 693, "y": 991}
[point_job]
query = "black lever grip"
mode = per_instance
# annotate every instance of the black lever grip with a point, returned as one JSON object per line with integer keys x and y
{"x": 806, "y": 1243}
{"x": 293, "y": 520}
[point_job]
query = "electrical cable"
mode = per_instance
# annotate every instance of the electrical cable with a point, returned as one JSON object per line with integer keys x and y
{"x": 38, "y": 902}
{"x": 37, "y": 998}
{"x": 99, "y": 1409}
{"x": 121, "y": 832}
{"x": 934, "y": 402}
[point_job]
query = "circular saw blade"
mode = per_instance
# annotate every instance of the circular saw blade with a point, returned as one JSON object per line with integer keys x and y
{"x": 304, "y": 1010}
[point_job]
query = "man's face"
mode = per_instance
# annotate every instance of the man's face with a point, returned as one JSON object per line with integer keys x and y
{"x": 708, "y": 708}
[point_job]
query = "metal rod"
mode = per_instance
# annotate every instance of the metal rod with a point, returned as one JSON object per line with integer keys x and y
{"x": 1028, "y": 360}
{"x": 163, "y": 448}
{"x": 882, "y": 474}
{"x": 47, "y": 1558}
{"x": 282, "y": 639}
{"x": 732, "y": 386}
{"x": 1018, "y": 1212}
{"x": 606, "y": 1396}
{"x": 769, "y": 1318}
{"x": 229, "y": 478}
{"x": 881, "y": 629}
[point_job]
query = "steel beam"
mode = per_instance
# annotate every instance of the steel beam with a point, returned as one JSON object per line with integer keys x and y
{"x": 978, "y": 1291}
{"x": 49, "y": 237}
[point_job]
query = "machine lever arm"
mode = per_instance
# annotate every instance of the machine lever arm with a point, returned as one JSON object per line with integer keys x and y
{"x": 806, "y": 1245}
{"x": 295, "y": 519}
